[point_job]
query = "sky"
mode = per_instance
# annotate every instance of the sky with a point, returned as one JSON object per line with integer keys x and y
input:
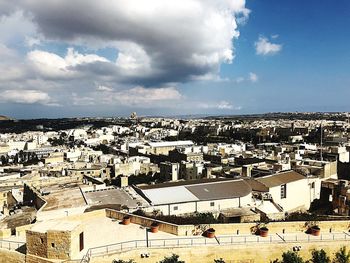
{"x": 64, "y": 58}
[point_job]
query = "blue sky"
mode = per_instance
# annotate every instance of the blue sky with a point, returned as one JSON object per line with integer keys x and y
{"x": 168, "y": 58}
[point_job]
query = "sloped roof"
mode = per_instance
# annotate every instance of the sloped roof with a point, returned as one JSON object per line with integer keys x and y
{"x": 169, "y": 143}
{"x": 180, "y": 193}
{"x": 280, "y": 178}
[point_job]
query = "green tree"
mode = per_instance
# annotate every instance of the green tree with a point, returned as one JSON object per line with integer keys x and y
{"x": 124, "y": 261}
{"x": 342, "y": 256}
{"x": 289, "y": 257}
{"x": 172, "y": 259}
{"x": 319, "y": 256}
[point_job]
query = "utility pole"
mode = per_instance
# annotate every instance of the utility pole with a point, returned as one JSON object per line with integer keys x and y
{"x": 321, "y": 142}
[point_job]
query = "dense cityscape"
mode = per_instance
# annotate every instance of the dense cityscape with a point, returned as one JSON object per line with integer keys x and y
{"x": 174, "y": 131}
{"x": 229, "y": 180}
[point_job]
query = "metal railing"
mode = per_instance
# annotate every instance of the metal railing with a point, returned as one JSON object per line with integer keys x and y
{"x": 219, "y": 240}
{"x": 12, "y": 245}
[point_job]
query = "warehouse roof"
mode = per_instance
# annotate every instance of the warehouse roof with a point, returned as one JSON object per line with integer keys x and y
{"x": 191, "y": 192}
{"x": 170, "y": 144}
{"x": 280, "y": 178}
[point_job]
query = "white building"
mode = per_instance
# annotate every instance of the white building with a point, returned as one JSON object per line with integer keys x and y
{"x": 290, "y": 190}
{"x": 198, "y": 196}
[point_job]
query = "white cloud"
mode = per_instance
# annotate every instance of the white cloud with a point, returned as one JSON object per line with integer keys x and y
{"x": 104, "y": 88}
{"x": 161, "y": 41}
{"x": 78, "y": 100}
{"x": 15, "y": 28}
{"x": 221, "y": 105}
{"x": 264, "y": 47}
{"x": 158, "y": 44}
{"x": 147, "y": 96}
{"x": 253, "y": 77}
{"x": 224, "y": 105}
{"x": 138, "y": 96}
{"x": 26, "y": 97}
{"x": 51, "y": 65}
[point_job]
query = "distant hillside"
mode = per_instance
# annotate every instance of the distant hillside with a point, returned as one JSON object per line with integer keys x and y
{"x": 4, "y": 118}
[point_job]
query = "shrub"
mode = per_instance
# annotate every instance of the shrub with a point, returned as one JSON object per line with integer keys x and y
{"x": 319, "y": 256}
{"x": 172, "y": 259}
{"x": 289, "y": 257}
{"x": 342, "y": 256}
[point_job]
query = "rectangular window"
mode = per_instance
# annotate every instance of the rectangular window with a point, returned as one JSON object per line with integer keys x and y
{"x": 283, "y": 191}
{"x": 81, "y": 241}
{"x": 212, "y": 203}
{"x": 176, "y": 208}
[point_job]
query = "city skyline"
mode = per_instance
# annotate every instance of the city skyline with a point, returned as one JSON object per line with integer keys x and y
{"x": 59, "y": 59}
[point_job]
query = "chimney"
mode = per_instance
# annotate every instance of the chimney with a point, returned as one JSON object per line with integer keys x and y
{"x": 124, "y": 181}
{"x": 246, "y": 171}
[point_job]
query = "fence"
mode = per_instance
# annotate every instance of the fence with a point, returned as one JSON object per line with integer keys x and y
{"x": 13, "y": 245}
{"x": 219, "y": 240}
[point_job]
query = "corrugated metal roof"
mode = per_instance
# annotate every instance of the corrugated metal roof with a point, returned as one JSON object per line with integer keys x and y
{"x": 169, "y": 195}
{"x": 220, "y": 190}
{"x": 196, "y": 192}
{"x": 280, "y": 178}
{"x": 170, "y": 144}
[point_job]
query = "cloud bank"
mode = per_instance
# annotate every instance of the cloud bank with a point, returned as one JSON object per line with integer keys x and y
{"x": 158, "y": 44}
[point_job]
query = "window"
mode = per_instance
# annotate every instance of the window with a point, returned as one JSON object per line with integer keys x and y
{"x": 212, "y": 203}
{"x": 52, "y": 244}
{"x": 312, "y": 185}
{"x": 283, "y": 191}
{"x": 81, "y": 241}
{"x": 176, "y": 208}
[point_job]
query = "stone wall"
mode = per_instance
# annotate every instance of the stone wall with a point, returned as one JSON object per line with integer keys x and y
{"x": 234, "y": 228}
{"x": 36, "y": 259}
{"x": 144, "y": 221}
{"x": 7, "y": 256}
{"x": 36, "y": 243}
{"x": 250, "y": 253}
{"x": 32, "y": 195}
{"x": 51, "y": 245}
{"x": 274, "y": 227}
{"x": 58, "y": 244}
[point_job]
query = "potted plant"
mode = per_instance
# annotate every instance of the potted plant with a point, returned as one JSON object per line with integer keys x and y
{"x": 126, "y": 220}
{"x": 154, "y": 227}
{"x": 315, "y": 230}
{"x": 260, "y": 229}
{"x": 210, "y": 233}
{"x": 263, "y": 231}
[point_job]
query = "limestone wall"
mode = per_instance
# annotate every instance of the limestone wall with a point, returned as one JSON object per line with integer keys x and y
{"x": 7, "y": 256}
{"x": 58, "y": 244}
{"x": 52, "y": 244}
{"x": 36, "y": 259}
{"x": 252, "y": 253}
{"x": 36, "y": 243}
{"x": 144, "y": 221}
{"x": 5, "y": 233}
{"x": 232, "y": 229}
{"x": 274, "y": 227}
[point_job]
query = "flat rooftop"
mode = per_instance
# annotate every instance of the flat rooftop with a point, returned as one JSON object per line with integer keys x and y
{"x": 110, "y": 196}
{"x": 63, "y": 196}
